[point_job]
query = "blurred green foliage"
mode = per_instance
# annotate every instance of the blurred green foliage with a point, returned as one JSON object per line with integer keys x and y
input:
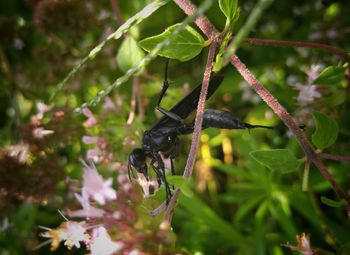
{"x": 239, "y": 206}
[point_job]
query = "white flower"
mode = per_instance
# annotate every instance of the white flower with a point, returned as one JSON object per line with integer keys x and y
{"x": 19, "y": 151}
{"x": 307, "y": 94}
{"x": 42, "y": 108}
{"x": 71, "y": 232}
{"x": 41, "y": 132}
{"x": 146, "y": 185}
{"x": 102, "y": 244}
{"x": 88, "y": 210}
{"x": 96, "y": 187}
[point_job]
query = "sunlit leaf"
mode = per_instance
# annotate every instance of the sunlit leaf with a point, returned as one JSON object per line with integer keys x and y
{"x": 181, "y": 183}
{"x": 229, "y": 8}
{"x": 129, "y": 54}
{"x": 185, "y": 45}
{"x": 279, "y": 160}
{"x": 326, "y": 132}
{"x": 331, "y": 75}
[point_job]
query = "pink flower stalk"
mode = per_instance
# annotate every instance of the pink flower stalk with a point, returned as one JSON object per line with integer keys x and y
{"x": 102, "y": 243}
{"x": 40, "y": 132}
{"x": 96, "y": 188}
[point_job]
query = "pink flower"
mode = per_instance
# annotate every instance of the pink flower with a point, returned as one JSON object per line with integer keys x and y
{"x": 95, "y": 155}
{"x": 91, "y": 121}
{"x": 42, "y": 109}
{"x": 307, "y": 94}
{"x": 102, "y": 243}
{"x": 303, "y": 245}
{"x": 40, "y": 132}
{"x": 88, "y": 211}
{"x": 20, "y": 152}
{"x": 96, "y": 187}
{"x": 90, "y": 139}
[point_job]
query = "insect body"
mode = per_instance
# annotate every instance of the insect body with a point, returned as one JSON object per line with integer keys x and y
{"x": 162, "y": 137}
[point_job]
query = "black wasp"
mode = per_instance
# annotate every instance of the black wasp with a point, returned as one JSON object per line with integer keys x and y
{"x": 162, "y": 137}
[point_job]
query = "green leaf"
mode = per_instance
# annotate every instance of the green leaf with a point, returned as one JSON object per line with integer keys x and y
{"x": 326, "y": 132}
{"x": 129, "y": 54}
{"x": 181, "y": 183}
{"x": 185, "y": 45}
{"x": 333, "y": 203}
{"x": 229, "y": 8}
{"x": 207, "y": 217}
{"x": 279, "y": 159}
{"x": 332, "y": 75}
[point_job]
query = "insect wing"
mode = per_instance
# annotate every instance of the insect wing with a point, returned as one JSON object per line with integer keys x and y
{"x": 189, "y": 103}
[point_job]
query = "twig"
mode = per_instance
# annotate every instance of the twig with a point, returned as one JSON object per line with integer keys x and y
{"x": 197, "y": 128}
{"x": 335, "y": 157}
{"x": 290, "y": 123}
{"x": 147, "y": 59}
{"x": 134, "y": 20}
{"x": 116, "y": 10}
{"x": 297, "y": 44}
{"x": 276, "y": 107}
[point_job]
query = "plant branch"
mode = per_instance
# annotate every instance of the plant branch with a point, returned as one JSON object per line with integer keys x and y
{"x": 116, "y": 10}
{"x": 298, "y": 44}
{"x": 146, "y": 60}
{"x": 197, "y": 128}
{"x": 335, "y": 157}
{"x": 280, "y": 111}
{"x": 134, "y": 20}
{"x": 245, "y": 30}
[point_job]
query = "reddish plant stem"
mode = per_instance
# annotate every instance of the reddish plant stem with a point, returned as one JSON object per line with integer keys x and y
{"x": 290, "y": 123}
{"x": 202, "y": 22}
{"x": 197, "y": 129}
{"x": 206, "y": 28}
{"x": 335, "y": 157}
{"x": 116, "y": 10}
{"x": 298, "y": 44}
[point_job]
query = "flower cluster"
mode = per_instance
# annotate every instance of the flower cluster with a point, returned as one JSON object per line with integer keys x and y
{"x": 308, "y": 92}
{"x": 110, "y": 224}
{"x": 30, "y": 169}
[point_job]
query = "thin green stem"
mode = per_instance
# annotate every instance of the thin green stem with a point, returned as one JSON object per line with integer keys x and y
{"x": 136, "y": 19}
{"x": 245, "y": 30}
{"x": 146, "y": 60}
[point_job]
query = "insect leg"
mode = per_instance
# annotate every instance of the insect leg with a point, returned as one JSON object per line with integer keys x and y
{"x": 161, "y": 168}
{"x": 165, "y": 83}
{"x": 161, "y": 95}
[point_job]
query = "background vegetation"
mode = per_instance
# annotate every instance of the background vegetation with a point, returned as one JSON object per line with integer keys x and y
{"x": 241, "y": 203}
